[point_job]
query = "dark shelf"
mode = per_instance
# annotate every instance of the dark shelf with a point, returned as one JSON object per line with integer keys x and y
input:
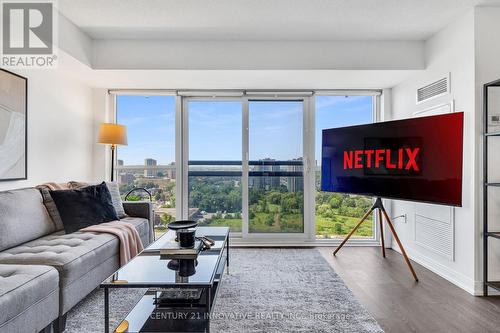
{"x": 494, "y": 234}
{"x": 492, "y": 134}
{"x": 487, "y": 235}
{"x": 495, "y": 83}
{"x": 142, "y": 318}
{"x": 493, "y": 284}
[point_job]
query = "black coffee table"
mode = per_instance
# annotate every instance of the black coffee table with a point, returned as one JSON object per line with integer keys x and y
{"x": 179, "y": 298}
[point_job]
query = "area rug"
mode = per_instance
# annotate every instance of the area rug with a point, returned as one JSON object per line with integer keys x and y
{"x": 266, "y": 290}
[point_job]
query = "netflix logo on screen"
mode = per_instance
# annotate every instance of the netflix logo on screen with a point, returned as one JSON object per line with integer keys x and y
{"x": 402, "y": 161}
{"x": 392, "y": 156}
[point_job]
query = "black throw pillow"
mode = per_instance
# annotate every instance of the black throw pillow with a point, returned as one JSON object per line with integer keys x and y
{"x": 83, "y": 207}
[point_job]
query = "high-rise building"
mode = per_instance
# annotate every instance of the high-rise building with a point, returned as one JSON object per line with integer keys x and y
{"x": 170, "y": 173}
{"x": 150, "y": 170}
{"x": 126, "y": 178}
{"x": 266, "y": 182}
{"x": 150, "y": 162}
{"x": 295, "y": 184}
{"x": 119, "y": 162}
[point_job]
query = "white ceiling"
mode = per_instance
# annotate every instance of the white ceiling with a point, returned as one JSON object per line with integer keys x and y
{"x": 264, "y": 19}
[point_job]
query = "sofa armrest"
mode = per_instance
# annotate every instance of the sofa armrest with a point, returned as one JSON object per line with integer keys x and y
{"x": 142, "y": 209}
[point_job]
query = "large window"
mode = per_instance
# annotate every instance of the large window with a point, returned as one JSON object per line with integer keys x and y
{"x": 338, "y": 213}
{"x": 148, "y": 161}
{"x": 248, "y": 162}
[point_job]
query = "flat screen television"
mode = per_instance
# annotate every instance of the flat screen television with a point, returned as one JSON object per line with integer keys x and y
{"x": 418, "y": 159}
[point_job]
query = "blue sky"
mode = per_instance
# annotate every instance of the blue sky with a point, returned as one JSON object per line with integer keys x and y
{"x": 150, "y": 125}
{"x": 339, "y": 111}
{"x": 275, "y": 128}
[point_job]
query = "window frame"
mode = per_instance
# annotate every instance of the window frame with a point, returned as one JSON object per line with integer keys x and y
{"x": 184, "y": 145}
{"x": 254, "y": 237}
{"x": 308, "y": 237}
{"x": 376, "y": 116}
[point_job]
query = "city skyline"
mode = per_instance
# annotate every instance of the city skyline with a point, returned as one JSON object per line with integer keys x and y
{"x": 121, "y": 162}
{"x": 275, "y": 129}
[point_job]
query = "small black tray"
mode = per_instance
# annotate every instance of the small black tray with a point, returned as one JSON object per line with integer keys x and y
{"x": 185, "y": 224}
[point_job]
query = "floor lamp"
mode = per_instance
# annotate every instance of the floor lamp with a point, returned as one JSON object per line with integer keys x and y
{"x": 112, "y": 134}
{"x": 378, "y": 205}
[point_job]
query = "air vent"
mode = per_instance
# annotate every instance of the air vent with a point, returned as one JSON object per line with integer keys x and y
{"x": 433, "y": 90}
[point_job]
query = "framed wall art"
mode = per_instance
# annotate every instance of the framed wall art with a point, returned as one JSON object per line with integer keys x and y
{"x": 13, "y": 126}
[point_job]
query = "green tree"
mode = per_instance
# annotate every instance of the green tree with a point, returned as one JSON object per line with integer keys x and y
{"x": 134, "y": 197}
{"x": 166, "y": 218}
{"x": 274, "y": 198}
{"x": 335, "y": 202}
{"x": 322, "y": 209}
{"x": 349, "y": 202}
{"x": 269, "y": 220}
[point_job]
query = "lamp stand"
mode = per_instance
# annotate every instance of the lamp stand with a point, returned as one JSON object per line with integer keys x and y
{"x": 381, "y": 210}
{"x": 113, "y": 148}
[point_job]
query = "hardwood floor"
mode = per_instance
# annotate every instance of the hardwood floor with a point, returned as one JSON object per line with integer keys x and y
{"x": 387, "y": 289}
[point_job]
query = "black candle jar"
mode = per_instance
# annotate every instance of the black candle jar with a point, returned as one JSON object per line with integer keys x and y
{"x": 186, "y": 238}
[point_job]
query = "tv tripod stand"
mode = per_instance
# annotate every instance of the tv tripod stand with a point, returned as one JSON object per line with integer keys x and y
{"x": 381, "y": 211}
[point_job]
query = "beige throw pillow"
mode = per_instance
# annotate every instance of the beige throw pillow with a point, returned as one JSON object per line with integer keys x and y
{"x": 116, "y": 198}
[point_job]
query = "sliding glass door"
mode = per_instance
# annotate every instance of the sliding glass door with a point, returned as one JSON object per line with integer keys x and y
{"x": 214, "y": 163}
{"x": 276, "y": 172}
{"x": 245, "y": 165}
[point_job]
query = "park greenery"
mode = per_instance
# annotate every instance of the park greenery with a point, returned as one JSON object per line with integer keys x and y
{"x": 276, "y": 209}
{"x": 218, "y": 201}
{"x": 338, "y": 213}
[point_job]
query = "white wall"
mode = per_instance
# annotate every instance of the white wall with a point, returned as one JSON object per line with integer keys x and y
{"x": 74, "y": 41}
{"x": 449, "y": 51}
{"x": 60, "y": 136}
{"x": 103, "y": 112}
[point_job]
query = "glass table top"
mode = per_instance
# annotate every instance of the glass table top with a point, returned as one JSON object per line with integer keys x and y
{"x": 148, "y": 269}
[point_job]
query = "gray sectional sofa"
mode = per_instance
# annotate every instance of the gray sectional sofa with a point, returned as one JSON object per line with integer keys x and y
{"x": 45, "y": 272}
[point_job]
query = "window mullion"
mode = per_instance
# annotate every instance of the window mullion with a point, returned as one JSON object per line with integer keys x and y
{"x": 245, "y": 168}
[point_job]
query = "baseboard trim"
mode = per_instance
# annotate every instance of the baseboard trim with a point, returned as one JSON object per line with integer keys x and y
{"x": 457, "y": 278}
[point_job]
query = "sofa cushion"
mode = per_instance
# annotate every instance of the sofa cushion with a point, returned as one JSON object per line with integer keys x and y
{"x": 23, "y": 286}
{"x": 143, "y": 209}
{"x": 71, "y": 254}
{"x": 79, "y": 289}
{"x": 49, "y": 203}
{"x": 51, "y": 207}
{"x": 116, "y": 199}
{"x": 83, "y": 207}
{"x": 113, "y": 188}
{"x": 142, "y": 227}
{"x": 23, "y": 217}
